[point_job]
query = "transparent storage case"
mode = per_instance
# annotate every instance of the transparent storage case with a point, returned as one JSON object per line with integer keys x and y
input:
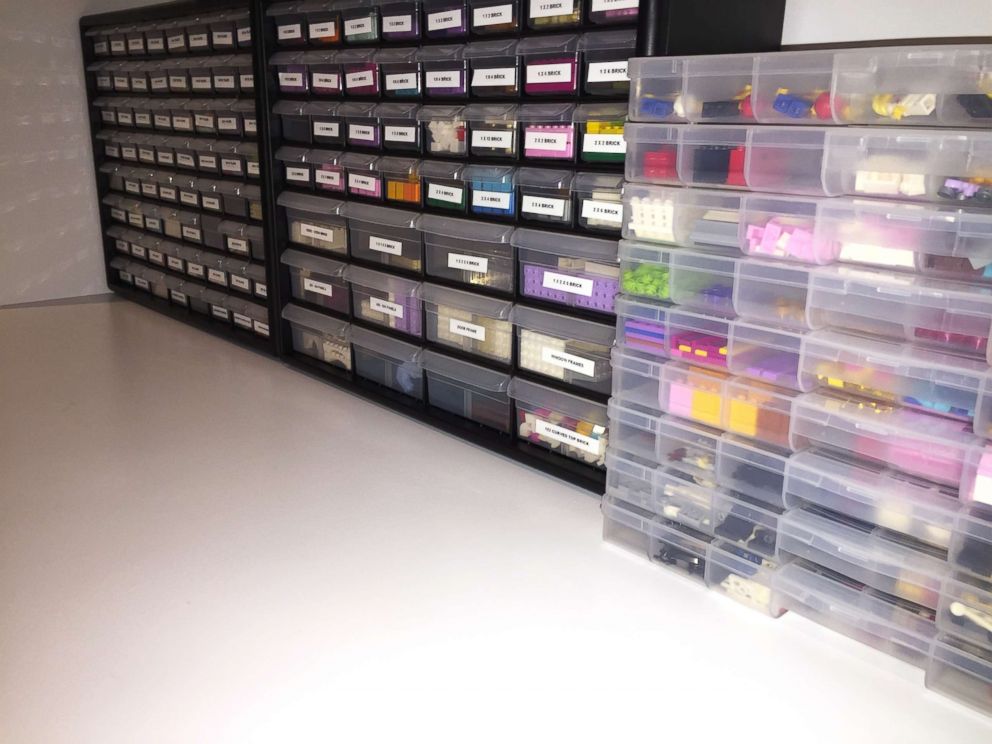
{"x": 698, "y": 338}
{"x": 400, "y": 131}
{"x": 920, "y": 444}
{"x": 553, "y": 15}
{"x": 390, "y": 237}
{"x": 711, "y": 156}
{"x": 444, "y": 186}
{"x": 600, "y": 128}
{"x": 318, "y": 336}
{"x": 445, "y": 71}
{"x": 317, "y": 281}
{"x": 756, "y": 471}
{"x": 628, "y": 478}
{"x": 494, "y": 67}
{"x": 962, "y": 671}
{"x": 400, "y": 21}
{"x": 577, "y": 272}
{"x": 568, "y": 350}
{"x": 768, "y": 354}
{"x": 605, "y": 60}
{"x": 545, "y": 197}
{"x": 490, "y": 17}
{"x": 776, "y": 293}
{"x": 897, "y": 372}
{"x": 703, "y": 281}
{"x": 652, "y": 154}
{"x": 443, "y": 130}
{"x": 401, "y": 73}
{"x": 971, "y": 541}
{"x": 947, "y": 315}
{"x": 598, "y": 202}
{"x": 362, "y": 127}
{"x": 657, "y": 89}
{"x": 468, "y": 391}
{"x": 718, "y": 88}
{"x": 965, "y": 609}
{"x": 315, "y": 222}
{"x": 637, "y": 378}
{"x": 292, "y": 75}
{"x": 401, "y": 180}
{"x": 866, "y": 553}
{"x": 363, "y": 177}
{"x": 325, "y": 74}
{"x": 445, "y": 19}
{"x": 695, "y": 218}
{"x": 328, "y": 172}
{"x": 694, "y": 393}
{"x": 791, "y": 228}
{"x": 668, "y": 442}
{"x": 300, "y": 123}
{"x": 793, "y": 87}
{"x": 492, "y": 131}
{"x": 872, "y": 493}
{"x": 471, "y": 324}
{"x": 758, "y": 411}
{"x": 786, "y": 159}
{"x": 491, "y": 191}
{"x": 475, "y": 254}
{"x": 386, "y": 300}
{"x": 323, "y": 22}
{"x": 359, "y": 21}
{"x": 742, "y": 575}
{"x": 547, "y": 131}
{"x": 566, "y": 424}
{"x": 901, "y": 629}
{"x": 296, "y": 168}
{"x": 388, "y": 362}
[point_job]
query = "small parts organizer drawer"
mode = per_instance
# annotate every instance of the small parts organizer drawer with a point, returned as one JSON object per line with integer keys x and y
{"x": 564, "y": 423}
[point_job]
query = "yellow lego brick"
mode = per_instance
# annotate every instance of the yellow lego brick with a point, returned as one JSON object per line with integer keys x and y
{"x": 743, "y": 418}
{"x": 707, "y": 407}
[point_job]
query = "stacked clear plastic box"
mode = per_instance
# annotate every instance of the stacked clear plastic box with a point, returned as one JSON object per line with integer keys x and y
{"x": 807, "y": 305}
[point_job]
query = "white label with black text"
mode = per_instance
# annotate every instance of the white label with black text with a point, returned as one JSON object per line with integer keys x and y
{"x": 167, "y": 192}
{"x": 192, "y": 233}
{"x": 182, "y": 122}
{"x": 204, "y": 120}
{"x": 163, "y": 120}
{"x": 197, "y": 40}
{"x": 400, "y": 134}
{"x": 577, "y": 364}
{"x": 241, "y": 282}
{"x": 600, "y": 5}
{"x": 492, "y": 199}
{"x": 132, "y": 187}
{"x": 201, "y": 82}
{"x": 227, "y": 123}
{"x": 316, "y": 232}
{"x": 451, "y": 194}
{"x": 251, "y": 125}
{"x": 549, "y": 8}
{"x": 444, "y": 19}
{"x": 153, "y": 223}
{"x": 297, "y": 174}
{"x": 176, "y": 264}
{"x": 543, "y": 206}
{"x": 156, "y": 257}
{"x": 494, "y": 76}
{"x": 117, "y": 46}
{"x": 178, "y": 296}
{"x": 100, "y": 47}
{"x": 220, "y": 312}
{"x": 242, "y": 320}
{"x": 112, "y": 151}
{"x": 126, "y": 276}
{"x": 194, "y": 270}
{"x": 492, "y": 138}
{"x": 216, "y": 276}
{"x": 382, "y": 245}
{"x": 323, "y": 29}
{"x": 223, "y": 38}
{"x": 612, "y": 143}
{"x": 230, "y": 165}
{"x": 607, "y": 72}
{"x": 565, "y": 283}
{"x": 402, "y": 81}
{"x": 160, "y": 83}
{"x": 385, "y": 307}
{"x": 129, "y": 152}
{"x": 289, "y": 31}
{"x": 326, "y": 129}
{"x": 237, "y": 245}
{"x": 326, "y": 80}
{"x": 149, "y": 189}
{"x": 165, "y": 158}
{"x": 143, "y": 120}
{"x": 321, "y": 288}
{"x": 262, "y": 329}
{"x": 103, "y": 82}
{"x": 185, "y": 159}
{"x": 359, "y": 79}
{"x": 556, "y": 73}
{"x": 138, "y": 251}
{"x": 122, "y": 245}
{"x": 178, "y": 82}
{"x": 602, "y": 211}
{"x": 108, "y": 116}
{"x": 469, "y": 330}
{"x": 247, "y": 81}
{"x": 357, "y": 26}
{"x": 156, "y": 44}
{"x": 444, "y": 79}
{"x": 123, "y": 117}
{"x": 136, "y": 219}
{"x": 397, "y": 23}
{"x": 475, "y": 264}
{"x": 261, "y": 290}
{"x": 492, "y": 15}
{"x": 254, "y": 168}
{"x": 177, "y": 41}
{"x": 118, "y": 214}
{"x": 139, "y": 83}
{"x": 211, "y": 202}
{"x": 328, "y": 177}
{"x": 545, "y": 141}
{"x": 208, "y": 162}
{"x": 244, "y": 35}
{"x": 224, "y": 82}
{"x": 142, "y": 283}
{"x": 362, "y": 183}
{"x": 569, "y": 437}
{"x": 135, "y": 45}
{"x": 361, "y": 132}
{"x": 291, "y": 78}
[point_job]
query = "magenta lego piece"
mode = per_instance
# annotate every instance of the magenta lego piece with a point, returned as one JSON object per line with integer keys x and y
{"x": 603, "y": 289}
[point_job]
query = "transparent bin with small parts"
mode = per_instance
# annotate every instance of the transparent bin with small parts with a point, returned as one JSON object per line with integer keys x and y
{"x": 445, "y": 19}
{"x": 753, "y": 470}
{"x": 628, "y": 478}
{"x": 445, "y": 71}
{"x": 601, "y": 128}
{"x": 636, "y": 379}
{"x": 768, "y": 354}
{"x": 872, "y": 493}
{"x": 698, "y": 338}
{"x": 703, "y": 281}
{"x": 550, "y": 64}
{"x": 942, "y": 314}
{"x": 567, "y": 424}
{"x": 570, "y": 350}
{"x": 943, "y": 166}
{"x": 893, "y": 626}
{"x": 545, "y": 196}
{"x": 920, "y": 444}
{"x": 493, "y": 130}
{"x": 661, "y": 541}
{"x": 386, "y": 236}
{"x": 547, "y": 131}
{"x": 401, "y": 73}
{"x": 718, "y": 88}
{"x": 694, "y": 393}
{"x": 400, "y": 131}
{"x": 469, "y": 323}
{"x": 494, "y": 68}
{"x": 318, "y": 281}
{"x": 575, "y": 271}
{"x": 897, "y": 372}
{"x": 400, "y": 21}
{"x": 291, "y": 72}
{"x": 788, "y": 228}
{"x": 444, "y": 186}
{"x": 605, "y": 61}
{"x": 694, "y": 218}
{"x": 491, "y": 191}
{"x": 443, "y": 130}
{"x": 553, "y": 15}
{"x": 711, "y": 156}
{"x": 359, "y": 73}
{"x": 652, "y": 154}
{"x": 315, "y": 222}
{"x": 598, "y": 202}
{"x": 920, "y": 85}
{"x": 884, "y": 560}
{"x": 294, "y": 120}
{"x": 965, "y": 609}
{"x": 319, "y": 336}
{"x": 363, "y": 178}
{"x": 296, "y": 168}
{"x": 475, "y": 254}
{"x": 401, "y": 180}
{"x": 656, "y": 93}
{"x": 742, "y": 575}
{"x": 388, "y": 362}
{"x": 776, "y": 293}
{"x": 971, "y": 541}
{"x": 490, "y": 17}
{"x": 793, "y": 87}
{"x": 666, "y": 441}
{"x": 386, "y": 300}
{"x": 242, "y": 240}
{"x": 758, "y": 411}
{"x": 469, "y": 391}
{"x": 786, "y": 159}
{"x": 962, "y": 671}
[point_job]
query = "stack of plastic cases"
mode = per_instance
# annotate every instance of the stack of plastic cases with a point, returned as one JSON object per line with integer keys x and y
{"x": 464, "y": 158}
{"x": 180, "y": 175}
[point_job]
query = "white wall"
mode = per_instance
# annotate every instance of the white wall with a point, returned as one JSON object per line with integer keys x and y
{"x": 49, "y": 226}
{"x": 831, "y": 21}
